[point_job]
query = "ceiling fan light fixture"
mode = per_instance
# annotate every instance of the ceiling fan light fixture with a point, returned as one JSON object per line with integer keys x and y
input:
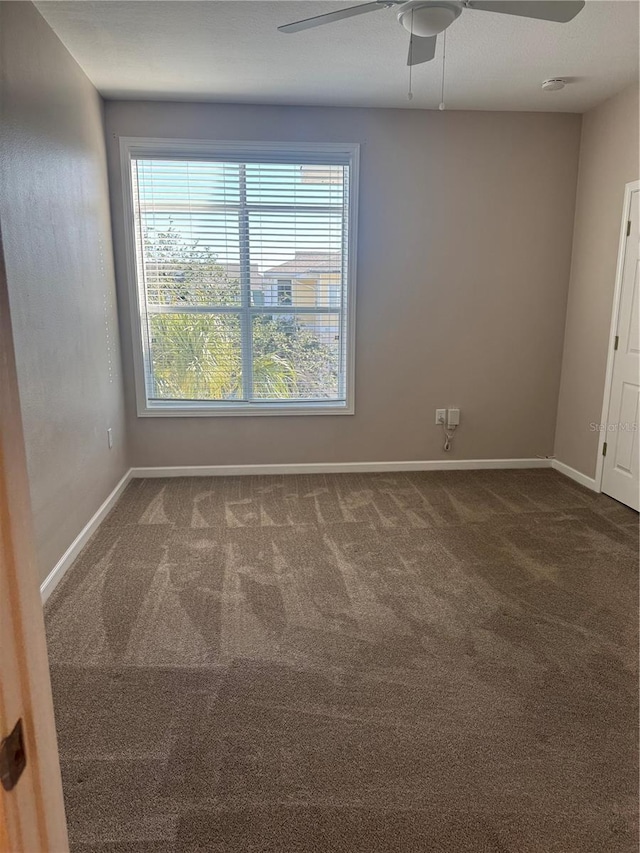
{"x": 426, "y": 19}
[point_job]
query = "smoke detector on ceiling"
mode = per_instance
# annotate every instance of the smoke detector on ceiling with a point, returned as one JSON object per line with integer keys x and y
{"x": 554, "y": 84}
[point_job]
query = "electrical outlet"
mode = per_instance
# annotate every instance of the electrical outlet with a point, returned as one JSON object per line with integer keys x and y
{"x": 110, "y": 437}
{"x": 453, "y": 417}
{"x": 441, "y": 416}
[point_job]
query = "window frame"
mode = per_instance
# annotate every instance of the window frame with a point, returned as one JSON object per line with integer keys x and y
{"x": 230, "y": 151}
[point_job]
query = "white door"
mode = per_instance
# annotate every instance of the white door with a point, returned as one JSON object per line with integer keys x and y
{"x": 620, "y": 477}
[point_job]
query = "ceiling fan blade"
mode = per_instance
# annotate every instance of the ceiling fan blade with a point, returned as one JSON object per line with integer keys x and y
{"x": 421, "y": 49}
{"x": 330, "y": 17}
{"x": 545, "y": 10}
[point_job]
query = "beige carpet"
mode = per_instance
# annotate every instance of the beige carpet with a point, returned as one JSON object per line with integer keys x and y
{"x": 352, "y": 663}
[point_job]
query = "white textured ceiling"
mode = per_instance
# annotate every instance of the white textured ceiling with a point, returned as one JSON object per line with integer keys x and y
{"x": 231, "y": 52}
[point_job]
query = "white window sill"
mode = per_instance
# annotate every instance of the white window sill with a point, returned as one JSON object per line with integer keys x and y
{"x": 217, "y": 410}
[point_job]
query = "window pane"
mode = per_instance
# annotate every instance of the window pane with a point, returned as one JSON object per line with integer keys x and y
{"x": 296, "y": 357}
{"x": 284, "y": 291}
{"x": 163, "y": 184}
{"x": 290, "y": 183}
{"x": 188, "y": 231}
{"x": 195, "y": 356}
{"x": 187, "y": 263}
{"x": 304, "y": 248}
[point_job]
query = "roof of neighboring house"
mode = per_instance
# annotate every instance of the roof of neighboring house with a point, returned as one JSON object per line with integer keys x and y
{"x": 304, "y": 262}
{"x": 233, "y": 271}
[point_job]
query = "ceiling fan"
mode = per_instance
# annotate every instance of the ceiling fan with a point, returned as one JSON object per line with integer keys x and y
{"x": 424, "y": 19}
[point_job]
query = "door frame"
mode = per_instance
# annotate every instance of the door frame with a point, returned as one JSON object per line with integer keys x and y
{"x": 32, "y": 813}
{"x": 629, "y": 189}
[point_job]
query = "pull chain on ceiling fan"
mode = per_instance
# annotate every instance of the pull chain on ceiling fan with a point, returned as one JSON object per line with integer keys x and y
{"x": 441, "y": 105}
{"x": 410, "y": 64}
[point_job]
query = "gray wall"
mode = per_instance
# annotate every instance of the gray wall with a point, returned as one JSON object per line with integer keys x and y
{"x": 57, "y": 240}
{"x": 608, "y": 160}
{"x": 463, "y": 265}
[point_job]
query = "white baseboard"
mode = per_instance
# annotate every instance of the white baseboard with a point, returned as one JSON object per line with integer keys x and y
{"x": 589, "y": 482}
{"x": 338, "y": 467}
{"x": 57, "y": 573}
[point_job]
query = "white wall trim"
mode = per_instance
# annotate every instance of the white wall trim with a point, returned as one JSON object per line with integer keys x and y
{"x": 338, "y": 467}
{"x": 630, "y": 188}
{"x": 57, "y": 573}
{"x": 589, "y": 482}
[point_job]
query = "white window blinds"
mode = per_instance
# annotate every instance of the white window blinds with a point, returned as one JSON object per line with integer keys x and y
{"x": 242, "y": 268}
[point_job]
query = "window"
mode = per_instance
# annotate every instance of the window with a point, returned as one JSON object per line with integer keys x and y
{"x": 242, "y": 264}
{"x": 284, "y": 292}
